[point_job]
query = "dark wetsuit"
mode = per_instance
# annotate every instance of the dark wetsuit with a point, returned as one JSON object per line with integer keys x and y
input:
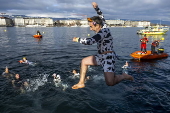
{"x": 104, "y": 42}
{"x": 8, "y": 75}
{"x": 18, "y": 83}
{"x": 153, "y": 46}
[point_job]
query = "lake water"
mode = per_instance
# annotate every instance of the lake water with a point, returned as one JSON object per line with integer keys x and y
{"x": 56, "y": 53}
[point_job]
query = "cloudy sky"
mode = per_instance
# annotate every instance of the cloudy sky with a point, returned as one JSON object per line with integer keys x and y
{"x": 112, "y": 9}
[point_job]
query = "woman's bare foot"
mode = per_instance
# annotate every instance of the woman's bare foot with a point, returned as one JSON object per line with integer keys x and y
{"x": 128, "y": 77}
{"x": 77, "y": 86}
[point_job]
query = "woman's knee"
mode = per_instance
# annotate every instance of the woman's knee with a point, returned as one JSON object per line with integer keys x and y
{"x": 83, "y": 61}
{"x": 109, "y": 78}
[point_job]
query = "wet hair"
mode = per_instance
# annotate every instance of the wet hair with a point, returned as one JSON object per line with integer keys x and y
{"x": 97, "y": 20}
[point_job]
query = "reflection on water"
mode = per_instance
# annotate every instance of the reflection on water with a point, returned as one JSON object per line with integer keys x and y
{"x": 141, "y": 66}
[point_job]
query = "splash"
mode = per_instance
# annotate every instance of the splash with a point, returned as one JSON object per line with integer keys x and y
{"x": 60, "y": 84}
{"x": 34, "y": 84}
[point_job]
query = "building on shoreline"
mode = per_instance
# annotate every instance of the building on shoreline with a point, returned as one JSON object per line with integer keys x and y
{"x": 26, "y": 22}
{"x": 111, "y": 23}
{"x": 20, "y": 21}
{"x": 33, "y": 22}
{"x": 6, "y": 22}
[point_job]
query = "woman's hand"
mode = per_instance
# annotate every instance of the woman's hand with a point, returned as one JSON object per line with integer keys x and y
{"x": 94, "y": 4}
{"x": 75, "y": 39}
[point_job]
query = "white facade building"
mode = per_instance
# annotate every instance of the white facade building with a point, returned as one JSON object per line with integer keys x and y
{"x": 143, "y": 23}
{"x": 6, "y": 22}
{"x": 33, "y": 21}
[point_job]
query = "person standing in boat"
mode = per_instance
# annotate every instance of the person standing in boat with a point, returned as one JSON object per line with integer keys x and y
{"x": 38, "y": 32}
{"x": 154, "y": 44}
{"x": 143, "y": 41}
{"x": 106, "y": 56}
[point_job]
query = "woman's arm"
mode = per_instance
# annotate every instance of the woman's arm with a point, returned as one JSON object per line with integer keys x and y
{"x": 99, "y": 12}
{"x": 88, "y": 41}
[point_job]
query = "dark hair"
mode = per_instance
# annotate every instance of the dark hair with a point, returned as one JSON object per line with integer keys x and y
{"x": 98, "y": 20}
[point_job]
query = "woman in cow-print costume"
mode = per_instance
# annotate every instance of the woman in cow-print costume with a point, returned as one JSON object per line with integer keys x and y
{"x": 105, "y": 57}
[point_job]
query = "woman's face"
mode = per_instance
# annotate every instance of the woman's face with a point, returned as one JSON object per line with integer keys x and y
{"x": 94, "y": 27}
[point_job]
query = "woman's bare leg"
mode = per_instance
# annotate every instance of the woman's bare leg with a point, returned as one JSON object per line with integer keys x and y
{"x": 90, "y": 60}
{"x": 112, "y": 79}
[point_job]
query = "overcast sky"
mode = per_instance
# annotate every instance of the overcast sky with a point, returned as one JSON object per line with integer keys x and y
{"x": 112, "y": 9}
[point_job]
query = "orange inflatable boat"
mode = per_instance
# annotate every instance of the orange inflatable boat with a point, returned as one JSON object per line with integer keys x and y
{"x": 148, "y": 55}
{"x": 37, "y": 36}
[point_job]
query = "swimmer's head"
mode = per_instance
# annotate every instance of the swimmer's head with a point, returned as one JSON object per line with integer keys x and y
{"x": 74, "y": 71}
{"x": 17, "y": 76}
{"x": 24, "y": 58}
{"x": 54, "y": 75}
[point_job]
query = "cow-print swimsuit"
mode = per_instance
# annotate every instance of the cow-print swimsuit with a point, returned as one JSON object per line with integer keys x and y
{"x": 104, "y": 42}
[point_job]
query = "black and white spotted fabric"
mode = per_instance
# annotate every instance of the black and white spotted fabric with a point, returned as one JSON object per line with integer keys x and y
{"x": 104, "y": 42}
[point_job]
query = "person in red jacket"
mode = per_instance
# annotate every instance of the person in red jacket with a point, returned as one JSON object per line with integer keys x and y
{"x": 143, "y": 41}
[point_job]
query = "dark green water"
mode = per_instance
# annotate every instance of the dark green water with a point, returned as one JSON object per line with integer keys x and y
{"x": 56, "y": 53}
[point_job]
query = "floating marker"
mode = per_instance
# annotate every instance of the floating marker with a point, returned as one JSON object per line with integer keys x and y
{"x": 162, "y": 38}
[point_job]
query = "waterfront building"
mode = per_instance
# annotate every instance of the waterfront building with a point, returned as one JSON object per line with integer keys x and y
{"x": 143, "y": 23}
{"x": 33, "y": 22}
{"x": 19, "y": 22}
{"x": 6, "y": 22}
{"x": 118, "y": 22}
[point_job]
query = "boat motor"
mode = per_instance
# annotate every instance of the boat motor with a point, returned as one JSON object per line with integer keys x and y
{"x": 160, "y": 50}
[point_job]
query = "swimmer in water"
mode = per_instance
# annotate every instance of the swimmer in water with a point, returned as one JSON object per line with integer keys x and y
{"x": 126, "y": 65}
{"x": 20, "y": 84}
{"x": 57, "y": 78}
{"x": 25, "y": 61}
{"x": 77, "y": 75}
{"x": 125, "y": 68}
{"x": 7, "y": 73}
{"x": 58, "y": 82}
